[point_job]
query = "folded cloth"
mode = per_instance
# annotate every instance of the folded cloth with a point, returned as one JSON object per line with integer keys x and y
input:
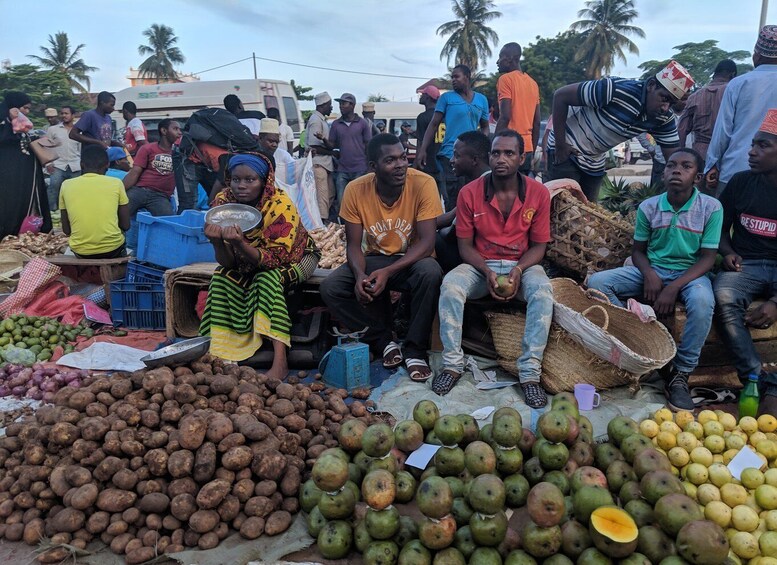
{"x": 644, "y": 312}
{"x": 37, "y": 274}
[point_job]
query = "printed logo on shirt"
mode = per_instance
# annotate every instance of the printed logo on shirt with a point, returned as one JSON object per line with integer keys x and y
{"x": 764, "y": 227}
{"x": 390, "y": 234}
{"x": 528, "y": 214}
{"x": 162, "y": 164}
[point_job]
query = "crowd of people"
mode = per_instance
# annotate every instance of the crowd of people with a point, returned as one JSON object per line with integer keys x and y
{"x": 466, "y": 221}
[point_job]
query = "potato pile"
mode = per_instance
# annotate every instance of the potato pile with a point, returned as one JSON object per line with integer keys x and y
{"x": 36, "y": 244}
{"x": 159, "y": 460}
{"x": 331, "y": 242}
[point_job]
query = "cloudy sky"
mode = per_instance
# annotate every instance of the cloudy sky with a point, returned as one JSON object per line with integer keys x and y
{"x": 369, "y": 36}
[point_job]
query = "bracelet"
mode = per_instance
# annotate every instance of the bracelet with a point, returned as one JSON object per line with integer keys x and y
{"x": 519, "y": 270}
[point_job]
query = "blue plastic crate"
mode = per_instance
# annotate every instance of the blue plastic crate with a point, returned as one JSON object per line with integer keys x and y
{"x": 139, "y": 306}
{"x": 174, "y": 241}
{"x": 138, "y": 272}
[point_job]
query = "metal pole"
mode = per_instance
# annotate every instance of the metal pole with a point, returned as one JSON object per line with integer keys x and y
{"x": 253, "y": 55}
{"x": 764, "y": 9}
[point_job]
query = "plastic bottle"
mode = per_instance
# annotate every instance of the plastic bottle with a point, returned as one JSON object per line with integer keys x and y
{"x": 748, "y": 399}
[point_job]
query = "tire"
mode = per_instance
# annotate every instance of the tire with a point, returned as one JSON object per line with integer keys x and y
{"x": 634, "y": 159}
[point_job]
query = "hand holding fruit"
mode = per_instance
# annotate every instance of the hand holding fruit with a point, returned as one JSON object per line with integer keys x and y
{"x": 494, "y": 287}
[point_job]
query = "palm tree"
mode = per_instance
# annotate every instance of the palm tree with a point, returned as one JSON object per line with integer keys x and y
{"x": 470, "y": 38}
{"x": 605, "y": 27}
{"x": 162, "y": 53}
{"x": 59, "y": 56}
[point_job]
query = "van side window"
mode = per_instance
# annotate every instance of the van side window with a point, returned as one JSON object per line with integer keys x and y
{"x": 270, "y": 102}
{"x": 292, "y": 116}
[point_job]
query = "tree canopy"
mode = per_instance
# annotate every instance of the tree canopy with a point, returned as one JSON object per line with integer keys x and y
{"x": 162, "y": 53}
{"x": 700, "y": 59}
{"x": 301, "y": 91}
{"x": 60, "y": 56}
{"x": 469, "y": 38}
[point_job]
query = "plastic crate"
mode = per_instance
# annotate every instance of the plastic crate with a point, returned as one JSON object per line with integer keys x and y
{"x": 141, "y": 273}
{"x": 139, "y": 306}
{"x": 174, "y": 241}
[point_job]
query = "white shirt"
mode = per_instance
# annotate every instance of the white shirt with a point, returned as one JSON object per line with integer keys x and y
{"x": 253, "y": 125}
{"x": 284, "y": 166}
{"x": 68, "y": 151}
{"x": 287, "y": 135}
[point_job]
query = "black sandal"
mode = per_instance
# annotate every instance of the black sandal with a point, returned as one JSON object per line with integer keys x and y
{"x": 444, "y": 382}
{"x": 534, "y": 395}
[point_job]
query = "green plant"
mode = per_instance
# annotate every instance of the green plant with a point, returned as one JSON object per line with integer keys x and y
{"x": 623, "y": 197}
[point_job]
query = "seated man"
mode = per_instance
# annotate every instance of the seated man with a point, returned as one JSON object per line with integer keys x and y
{"x": 94, "y": 208}
{"x": 675, "y": 245}
{"x": 750, "y": 259}
{"x": 389, "y": 230}
{"x": 118, "y": 163}
{"x": 151, "y": 182}
{"x": 503, "y": 227}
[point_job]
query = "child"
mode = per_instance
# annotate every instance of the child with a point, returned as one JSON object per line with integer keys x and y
{"x": 95, "y": 208}
{"x": 675, "y": 245}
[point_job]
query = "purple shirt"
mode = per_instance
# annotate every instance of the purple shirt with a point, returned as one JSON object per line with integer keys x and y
{"x": 94, "y": 125}
{"x": 352, "y": 139}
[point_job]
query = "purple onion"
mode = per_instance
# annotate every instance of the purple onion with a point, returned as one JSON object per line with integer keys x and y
{"x": 74, "y": 384}
{"x": 37, "y": 395}
{"x": 50, "y": 372}
{"x": 48, "y": 396}
{"x": 4, "y": 391}
{"x": 59, "y": 379}
{"x": 48, "y": 386}
{"x": 18, "y": 390}
{"x": 70, "y": 377}
{"x": 38, "y": 367}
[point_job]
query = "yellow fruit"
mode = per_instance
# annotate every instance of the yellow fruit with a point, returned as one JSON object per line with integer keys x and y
{"x": 697, "y": 473}
{"x": 744, "y": 518}
{"x": 770, "y": 477}
{"x": 733, "y": 495}
{"x": 670, "y": 427}
{"x": 767, "y": 423}
{"x": 733, "y": 558}
{"x": 748, "y": 424}
{"x": 767, "y": 448}
{"x": 768, "y": 544}
{"x": 718, "y": 458}
{"x": 771, "y": 520}
{"x": 719, "y": 474}
{"x": 755, "y": 437}
{"x": 702, "y": 455}
{"x": 728, "y": 420}
{"x": 675, "y": 471}
{"x": 751, "y": 503}
{"x": 765, "y": 560}
{"x": 713, "y": 428}
{"x": 687, "y": 441}
{"x": 696, "y": 429}
{"x": 690, "y": 489}
{"x": 729, "y": 454}
{"x": 666, "y": 440}
{"x": 744, "y": 545}
{"x": 735, "y": 441}
{"x": 679, "y": 457}
{"x": 707, "y": 493}
{"x": 683, "y": 418}
{"x": 717, "y": 511}
{"x": 715, "y": 443}
{"x": 766, "y": 497}
{"x": 706, "y": 416}
{"x": 663, "y": 415}
{"x": 771, "y": 436}
{"x": 648, "y": 428}
{"x": 751, "y": 478}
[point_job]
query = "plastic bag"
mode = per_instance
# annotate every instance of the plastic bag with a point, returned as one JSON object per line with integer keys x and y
{"x": 19, "y": 122}
{"x": 303, "y": 194}
{"x": 19, "y": 356}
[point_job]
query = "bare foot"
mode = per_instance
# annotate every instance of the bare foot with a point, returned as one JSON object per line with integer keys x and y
{"x": 280, "y": 365}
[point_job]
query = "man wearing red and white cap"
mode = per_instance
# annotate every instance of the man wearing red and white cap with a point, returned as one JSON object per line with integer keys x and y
{"x": 429, "y": 96}
{"x": 592, "y": 117}
{"x": 750, "y": 259}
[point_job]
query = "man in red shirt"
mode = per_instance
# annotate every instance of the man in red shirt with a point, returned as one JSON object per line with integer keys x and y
{"x": 503, "y": 227}
{"x": 151, "y": 182}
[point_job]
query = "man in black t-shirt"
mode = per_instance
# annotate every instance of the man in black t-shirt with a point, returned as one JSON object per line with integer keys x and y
{"x": 429, "y": 96}
{"x": 750, "y": 259}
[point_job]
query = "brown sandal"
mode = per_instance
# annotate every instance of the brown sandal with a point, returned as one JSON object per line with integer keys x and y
{"x": 392, "y": 356}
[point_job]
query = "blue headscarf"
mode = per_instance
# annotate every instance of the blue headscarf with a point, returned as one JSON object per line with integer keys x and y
{"x": 260, "y": 166}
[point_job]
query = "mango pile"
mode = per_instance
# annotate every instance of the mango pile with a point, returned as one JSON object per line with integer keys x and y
{"x": 40, "y": 335}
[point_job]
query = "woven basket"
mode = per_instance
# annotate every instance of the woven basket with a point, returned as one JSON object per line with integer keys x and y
{"x": 612, "y": 333}
{"x": 586, "y": 237}
{"x": 11, "y": 264}
{"x": 565, "y": 361}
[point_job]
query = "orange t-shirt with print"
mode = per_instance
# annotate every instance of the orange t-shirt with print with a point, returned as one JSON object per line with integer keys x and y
{"x": 390, "y": 230}
{"x": 524, "y": 95}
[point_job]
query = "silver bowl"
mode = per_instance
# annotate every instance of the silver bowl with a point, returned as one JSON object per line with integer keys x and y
{"x": 178, "y": 353}
{"x": 246, "y": 217}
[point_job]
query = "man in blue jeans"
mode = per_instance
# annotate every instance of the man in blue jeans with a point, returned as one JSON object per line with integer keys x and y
{"x": 750, "y": 259}
{"x": 675, "y": 245}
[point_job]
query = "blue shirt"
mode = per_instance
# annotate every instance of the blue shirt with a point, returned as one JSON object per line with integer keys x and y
{"x": 742, "y": 110}
{"x": 460, "y": 116}
{"x": 116, "y": 173}
{"x": 94, "y": 125}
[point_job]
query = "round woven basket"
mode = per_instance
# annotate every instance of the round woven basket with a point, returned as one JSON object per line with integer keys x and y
{"x": 11, "y": 264}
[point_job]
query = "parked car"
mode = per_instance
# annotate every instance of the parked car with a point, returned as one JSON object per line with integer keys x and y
{"x": 635, "y": 152}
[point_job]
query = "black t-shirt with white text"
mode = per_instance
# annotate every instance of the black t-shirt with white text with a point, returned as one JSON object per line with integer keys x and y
{"x": 422, "y": 122}
{"x": 750, "y": 205}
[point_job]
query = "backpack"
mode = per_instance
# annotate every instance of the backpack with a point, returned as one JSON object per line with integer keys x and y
{"x": 217, "y": 127}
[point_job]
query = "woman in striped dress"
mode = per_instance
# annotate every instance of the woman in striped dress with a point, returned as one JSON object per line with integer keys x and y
{"x": 246, "y": 302}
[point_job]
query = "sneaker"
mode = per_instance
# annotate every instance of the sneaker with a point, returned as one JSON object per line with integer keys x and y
{"x": 768, "y": 402}
{"x": 534, "y": 395}
{"x": 678, "y": 395}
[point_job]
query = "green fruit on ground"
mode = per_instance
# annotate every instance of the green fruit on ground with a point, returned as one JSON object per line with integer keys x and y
{"x": 541, "y": 542}
{"x": 381, "y": 553}
{"x": 486, "y": 556}
{"x": 593, "y": 556}
{"x": 629, "y": 491}
{"x": 335, "y": 539}
{"x": 488, "y": 530}
{"x": 553, "y": 456}
{"x": 766, "y": 497}
{"x": 509, "y": 460}
{"x": 461, "y": 511}
{"x": 486, "y": 494}
{"x": 526, "y": 442}
{"x": 316, "y": 522}
{"x": 533, "y": 471}
{"x": 361, "y": 537}
{"x": 309, "y": 494}
{"x": 479, "y": 458}
{"x": 429, "y": 472}
{"x": 582, "y": 453}
{"x": 655, "y": 544}
{"x": 425, "y": 412}
{"x": 329, "y": 472}
{"x": 507, "y": 427}
{"x": 574, "y": 538}
{"x": 379, "y": 489}
{"x": 587, "y": 499}
{"x": 674, "y": 510}
{"x": 554, "y": 426}
{"x": 437, "y": 534}
{"x": 382, "y": 524}
{"x": 519, "y": 557}
{"x": 648, "y": 460}
{"x": 350, "y": 435}
{"x": 585, "y": 424}
{"x": 337, "y": 452}
{"x": 387, "y": 463}
{"x": 676, "y": 560}
{"x": 485, "y": 433}
{"x": 355, "y": 473}
{"x": 377, "y": 440}
{"x": 457, "y": 486}
{"x": 414, "y": 553}
{"x": 449, "y": 430}
{"x": 406, "y": 485}
{"x": 408, "y": 435}
{"x": 432, "y": 438}
{"x": 471, "y": 428}
{"x": 362, "y": 461}
{"x": 559, "y": 479}
{"x": 449, "y": 460}
{"x": 564, "y": 396}
{"x": 619, "y": 473}
{"x": 464, "y": 542}
{"x": 558, "y": 559}
{"x": 408, "y": 530}
{"x": 605, "y": 454}
{"x": 545, "y": 504}
{"x": 635, "y": 559}
{"x": 702, "y": 543}
{"x": 657, "y": 484}
{"x": 434, "y": 498}
{"x": 640, "y": 511}
{"x": 621, "y": 427}
{"x": 516, "y": 490}
{"x": 449, "y": 556}
{"x": 613, "y": 531}
{"x": 633, "y": 445}
{"x": 566, "y": 407}
{"x": 587, "y": 476}
{"x": 338, "y": 506}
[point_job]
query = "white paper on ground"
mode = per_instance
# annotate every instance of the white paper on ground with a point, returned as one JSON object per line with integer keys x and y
{"x": 102, "y": 356}
{"x": 742, "y": 460}
{"x": 420, "y": 457}
{"x": 483, "y": 413}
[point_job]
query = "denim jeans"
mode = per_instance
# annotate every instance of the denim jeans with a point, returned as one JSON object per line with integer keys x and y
{"x": 465, "y": 282}
{"x": 341, "y": 181}
{"x": 189, "y": 175}
{"x": 55, "y": 184}
{"x": 734, "y": 291}
{"x": 697, "y": 296}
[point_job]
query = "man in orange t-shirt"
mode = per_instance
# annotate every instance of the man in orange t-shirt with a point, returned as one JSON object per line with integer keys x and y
{"x": 519, "y": 101}
{"x": 390, "y": 228}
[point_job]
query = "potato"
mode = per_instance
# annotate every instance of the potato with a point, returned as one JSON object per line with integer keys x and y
{"x": 258, "y": 506}
{"x": 117, "y": 528}
{"x": 290, "y": 505}
{"x": 133, "y": 545}
{"x": 223, "y": 384}
{"x": 98, "y": 522}
{"x": 191, "y": 432}
{"x": 68, "y": 520}
{"x": 157, "y": 460}
{"x": 84, "y": 497}
{"x": 53, "y": 555}
{"x": 154, "y": 503}
{"x": 140, "y": 555}
{"x": 63, "y": 433}
{"x": 108, "y": 467}
{"x": 170, "y": 522}
{"x": 125, "y": 479}
{"x": 77, "y": 476}
{"x": 120, "y": 387}
{"x": 80, "y": 400}
{"x": 185, "y": 485}
{"x": 211, "y": 494}
{"x": 208, "y": 541}
{"x": 252, "y": 527}
{"x": 237, "y": 458}
{"x": 156, "y": 440}
{"x": 204, "y": 462}
{"x": 219, "y": 427}
{"x": 203, "y": 521}
{"x": 293, "y": 422}
{"x": 232, "y": 440}
{"x": 282, "y": 407}
{"x": 277, "y": 522}
{"x": 132, "y": 448}
{"x": 34, "y": 454}
{"x": 184, "y": 393}
{"x": 183, "y": 506}
{"x": 243, "y": 489}
{"x": 180, "y": 463}
{"x": 315, "y": 420}
{"x": 269, "y": 465}
{"x": 83, "y": 449}
{"x": 177, "y": 548}
{"x": 34, "y": 530}
{"x": 131, "y": 516}
{"x": 115, "y": 500}
{"x": 267, "y": 418}
{"x": 291, "y": 481}
{"x": 58, "y": 482}
{"x": 155, "y": 380}
{"x": 229, "y": 508}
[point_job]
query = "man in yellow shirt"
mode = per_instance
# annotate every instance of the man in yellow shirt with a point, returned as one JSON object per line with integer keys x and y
{"x": 95, "y": 208}
{"x": 390, "y": 227}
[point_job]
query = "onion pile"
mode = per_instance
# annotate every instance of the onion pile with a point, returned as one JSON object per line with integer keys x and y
{"x": 37, "y": 382}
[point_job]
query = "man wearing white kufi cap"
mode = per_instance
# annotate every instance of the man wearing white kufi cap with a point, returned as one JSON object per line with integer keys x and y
{"x": 323, "y": 165}
{"x": 269, "y": 141}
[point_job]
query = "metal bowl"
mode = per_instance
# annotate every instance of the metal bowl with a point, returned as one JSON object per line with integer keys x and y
{"x": 178, "y": 353}
{"x": 246, "y": 217}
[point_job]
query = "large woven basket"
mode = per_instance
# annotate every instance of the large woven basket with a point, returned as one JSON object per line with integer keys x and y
{"x": 565, "y": 362}
{"x": 11, "y": 264}
{"x": 586, "y": 237}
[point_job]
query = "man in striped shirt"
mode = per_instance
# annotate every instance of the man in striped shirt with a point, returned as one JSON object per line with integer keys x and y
{"x": 592, "y": 117}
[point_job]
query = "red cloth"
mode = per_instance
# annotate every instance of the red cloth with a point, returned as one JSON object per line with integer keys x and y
{"x": 54, "y": 301}
{"x": 202, "y": 300}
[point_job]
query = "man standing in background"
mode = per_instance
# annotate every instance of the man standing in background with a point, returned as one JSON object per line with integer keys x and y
{"x": 68, "y": 163}
{"x": 269, "y": 141}
{"x": 135, "y": 134}
{"x": 95, "y": 127}
{"x": 323, "y": 166}
{"x": 429, "y": 96}
{"x": 348, "y": 139}
{"x": 285, "y": 131}
{"x": 368, "y": 113}
{"x": 52, "y": 116}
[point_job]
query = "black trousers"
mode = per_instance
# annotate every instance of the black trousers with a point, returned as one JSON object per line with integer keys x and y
{"x": 422, "y": 280}
{"x": 569, "y": 170}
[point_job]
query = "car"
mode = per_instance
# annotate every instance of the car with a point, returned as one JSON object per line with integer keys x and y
{"x": 635, "y": 152}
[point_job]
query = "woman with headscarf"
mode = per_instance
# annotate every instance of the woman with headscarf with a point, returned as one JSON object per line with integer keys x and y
{"x": 20, "y": 172}
{"x": 246, "y": 300}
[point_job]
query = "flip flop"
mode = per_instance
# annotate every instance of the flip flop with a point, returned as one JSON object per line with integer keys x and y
{"x": 703, "y": 396}
{"x": 444, "y": 382}
{"x": 418, "y": 369}
{"x": 392, "y": 356}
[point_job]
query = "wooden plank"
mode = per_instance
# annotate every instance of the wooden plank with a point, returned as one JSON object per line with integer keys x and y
{"x": 79, "y": 262}
{"x": 713, "y": 354}
{"x": 676, "y": 324}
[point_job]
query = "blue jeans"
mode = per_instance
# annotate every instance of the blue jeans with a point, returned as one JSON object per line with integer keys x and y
{"x": 341, "y": 181}
{"x": 697, "y": 296}
{"x": 465, "y": 282}
{"x": 55, "y": 184}
{"x": 734, "y": 291}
